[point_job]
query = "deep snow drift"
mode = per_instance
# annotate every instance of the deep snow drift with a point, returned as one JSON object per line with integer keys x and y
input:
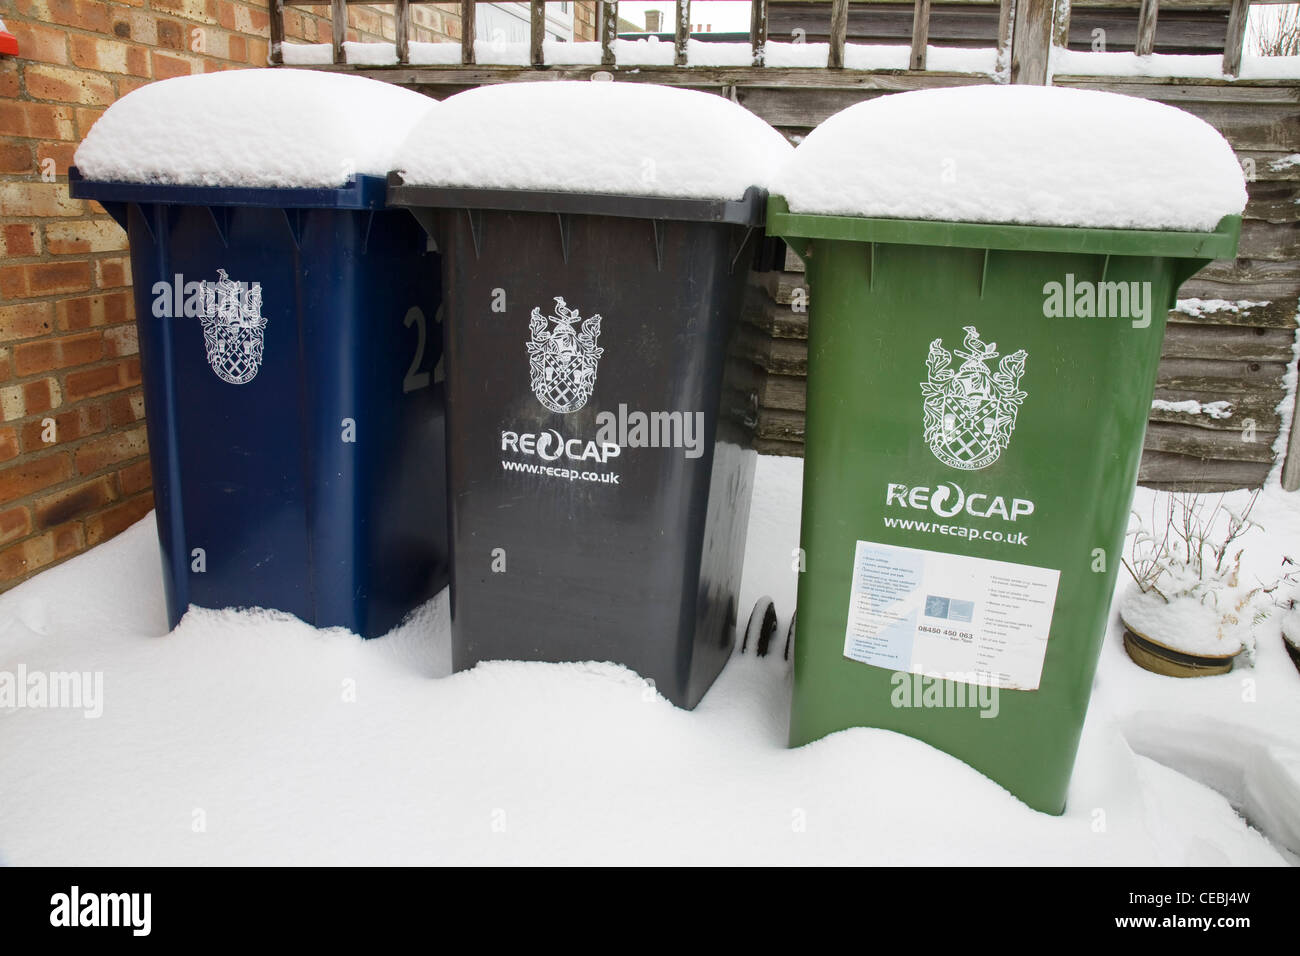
{"x": 246, "y": 738}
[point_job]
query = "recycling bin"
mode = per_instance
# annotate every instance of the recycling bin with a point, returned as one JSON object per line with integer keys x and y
{"x": 289, "y": 351}
{"x": 599, "y": 468}
{"x": 971, "y": 453}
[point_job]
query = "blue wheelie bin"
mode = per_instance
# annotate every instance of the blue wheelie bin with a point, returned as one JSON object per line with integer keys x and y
{"x": 293, "y": 395}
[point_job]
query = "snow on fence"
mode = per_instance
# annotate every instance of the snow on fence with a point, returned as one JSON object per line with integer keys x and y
{"x": 1026, "y": 32}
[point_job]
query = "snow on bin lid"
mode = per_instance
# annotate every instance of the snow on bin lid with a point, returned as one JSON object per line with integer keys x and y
{"x": 262, "y": 128}
{"x": 1017, "y": 154}
{"x": 621, "y": 138}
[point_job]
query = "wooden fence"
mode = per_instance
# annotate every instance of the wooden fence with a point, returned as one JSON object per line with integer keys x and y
{"x": 1235, "y": 355}
{"x": 1026, "y": 29}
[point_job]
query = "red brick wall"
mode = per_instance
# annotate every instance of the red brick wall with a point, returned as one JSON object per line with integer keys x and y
{"x": 584, "y": 21}
{"x": 73, "y": 454}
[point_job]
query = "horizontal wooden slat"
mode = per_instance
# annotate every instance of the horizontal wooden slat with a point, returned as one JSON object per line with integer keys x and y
{"x": 1273, "y": 201}
{"x": 745, "y": 78}
{"x": 781, "y": 107}
{"x": 781, "y": 286}
{"x": 1268, "y": 166}
{"x": 783, "y": 392}
{"x": 1227, "y": 342}
{"x": 1186, "y": 471}
{"x": 777, "y": 320}
{"x": 1278, "y": 241}
{"x": 1220, "y": 378}
{"x": 1205, "y": 483}
{"x": 1208, "y": 443}
{"x": 1277, "y": 282}
{"x": 768, "y": 446}
{"x": 1253, "y": 409}
{"x": 782, "y": 356}
{"x": 1184, "y": 90}
{"x": 785, "y": 426}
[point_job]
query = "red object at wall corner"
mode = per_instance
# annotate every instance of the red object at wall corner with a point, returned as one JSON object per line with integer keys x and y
{"x": 8, "y": 43}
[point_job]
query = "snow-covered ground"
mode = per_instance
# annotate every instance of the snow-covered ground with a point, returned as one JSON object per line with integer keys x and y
{"x": 245, "y": 737}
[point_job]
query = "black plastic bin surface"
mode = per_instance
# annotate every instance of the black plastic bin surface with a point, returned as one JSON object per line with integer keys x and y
{"x": 566, "y": 318}
{"x": 295, "y": 433}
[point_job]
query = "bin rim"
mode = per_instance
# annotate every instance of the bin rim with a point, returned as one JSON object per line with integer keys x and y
{"x": 1014, "y": 237}
{"x": 746, "y": 211}
{"x": 361, "y": 192}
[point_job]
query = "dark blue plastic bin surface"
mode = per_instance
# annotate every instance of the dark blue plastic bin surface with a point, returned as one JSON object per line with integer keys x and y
{"x": 262, "y": 501}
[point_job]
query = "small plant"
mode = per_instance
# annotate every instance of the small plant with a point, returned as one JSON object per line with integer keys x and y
{"x": 1290, "y": 604}
{"x": 1196, "y": 558}
{"x": 1275, "y": 31}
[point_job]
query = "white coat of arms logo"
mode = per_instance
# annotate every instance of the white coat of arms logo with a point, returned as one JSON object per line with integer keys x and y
{"x": 562, "y": 360}
{"x": 233, "y": 328}
{"x": 970, "y": 412}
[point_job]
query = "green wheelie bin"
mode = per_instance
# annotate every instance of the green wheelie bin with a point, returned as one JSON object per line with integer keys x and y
{"x": 972, "y": 448}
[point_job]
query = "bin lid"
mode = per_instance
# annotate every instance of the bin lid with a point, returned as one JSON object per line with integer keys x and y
{"x": 1042, "y": 156}
{"x": 271, "y": 128}
{"x": 612, "y": 139}
{"x": 748, "y": 210}
{"x": 361, "y": 192}
{"x": 1221, "y": 243}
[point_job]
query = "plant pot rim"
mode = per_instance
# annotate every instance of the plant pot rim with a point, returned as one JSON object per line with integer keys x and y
{"x": 1187, "y": 656}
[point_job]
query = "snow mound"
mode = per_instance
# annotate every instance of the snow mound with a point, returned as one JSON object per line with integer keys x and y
{"x": 621, "y": 138}
{"x": 370, "y": 54}
{"x": 648, "y": 51}
{"x": 420, "y": 53}
{"x": 273, "y": 127}
{"x": 705, "y": 53}
{"x": 307, "y": 54}
{"x": 580, "y": 53}
{"x": 1199, "y": 308}
{"x": 1182, "y": 624}
{"x": 1216, "y": 410}
{"x": 779, "y": 53}
{"x": 1183, "y": 65}
{"x": 1017, "y": 154}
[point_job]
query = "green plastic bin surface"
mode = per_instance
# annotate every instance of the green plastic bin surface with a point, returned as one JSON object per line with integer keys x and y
{"x": 977, "y": 400}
